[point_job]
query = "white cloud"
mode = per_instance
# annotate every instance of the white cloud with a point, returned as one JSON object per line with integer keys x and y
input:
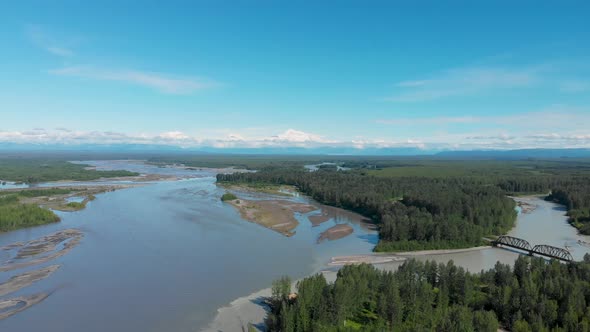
{"x": 296, "y": 138}
{"x": 160, "y": 82}
{"x": 174, "y": 136}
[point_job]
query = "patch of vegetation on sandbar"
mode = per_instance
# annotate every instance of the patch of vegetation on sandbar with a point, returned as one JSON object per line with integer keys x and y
{"x": 34, "y": 207}
{"x": 15, "y": 215}
{"x": 228, "y": 197}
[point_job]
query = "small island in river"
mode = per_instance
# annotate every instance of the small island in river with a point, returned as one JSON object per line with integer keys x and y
{"x": 275, "y": 214}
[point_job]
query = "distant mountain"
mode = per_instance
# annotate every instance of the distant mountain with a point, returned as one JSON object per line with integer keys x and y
{"x": 517, "y": 154}
{"x": 152, "y": 149}
{"x": 147, "y": 148}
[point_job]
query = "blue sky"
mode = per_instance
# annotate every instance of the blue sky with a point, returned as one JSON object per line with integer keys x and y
{"x": 456, "y": 75}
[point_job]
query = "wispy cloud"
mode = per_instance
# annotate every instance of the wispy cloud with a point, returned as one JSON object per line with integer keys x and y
{"x": 500, "y": 137}
{"x": 574, "y": 86}
{"x": 461, "y": 82}
{"x": 560, "y": 76}
{"x": 60, "y": 51}
{"x": 160, "y": 82}
{"x": 40, "y": 37}
{"x": 428, "y": 121}
{"x": 550, "y": 117}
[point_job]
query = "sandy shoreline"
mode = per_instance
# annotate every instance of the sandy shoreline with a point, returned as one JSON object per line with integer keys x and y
{"x": 440, "y": 251}
{"x": 250, "y": 309}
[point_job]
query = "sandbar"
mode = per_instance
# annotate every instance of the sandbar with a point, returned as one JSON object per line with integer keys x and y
{"x": 26, "y": 279}
{"x": 41, "y": 250}
{"x": 336, "y": 232}
{"x": 277, "y": 215}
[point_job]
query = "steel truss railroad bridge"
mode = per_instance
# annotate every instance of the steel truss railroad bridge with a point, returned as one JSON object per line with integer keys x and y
{"x": 542, "y": 249}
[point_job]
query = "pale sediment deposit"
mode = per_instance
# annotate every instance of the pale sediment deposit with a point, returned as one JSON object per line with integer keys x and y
{"x": 249, "y": 312}
{"x": 9, "y": 307}
{"x": 365, "y": 259}
{"x": 277, "y": 215}
{"x": 25, "y": 279}
{"x": 336, "y": 232}
{"x": 41, "y": 250}
{"x": 319, "y": 219}
{"x": 526, "y": 203}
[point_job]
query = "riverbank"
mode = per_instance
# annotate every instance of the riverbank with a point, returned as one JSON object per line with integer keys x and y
{"x": 249, "y": 311}
{"x": 543, "y": 223}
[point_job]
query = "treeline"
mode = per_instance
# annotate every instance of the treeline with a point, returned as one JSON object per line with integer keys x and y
{"x": 15, "y": 215}
{"x": 414, "y": 212}
{"x": 575, "y": 195}
{"x": 533, "y": 296}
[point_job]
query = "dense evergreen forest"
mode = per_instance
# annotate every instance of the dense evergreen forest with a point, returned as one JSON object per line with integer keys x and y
{"x": 575, "y": 195}
{"x": 533, "y": 296}
{"x": 436, "y": 204}
{"x": 414, "y": 212}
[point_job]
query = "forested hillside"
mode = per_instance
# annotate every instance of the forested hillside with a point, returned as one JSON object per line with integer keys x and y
{"x": 532, "y": 296}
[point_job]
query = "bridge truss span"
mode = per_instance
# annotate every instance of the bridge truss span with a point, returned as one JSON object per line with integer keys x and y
{"x": 514, "y": 242}
{"x": 542, "y": 249}
{"x": 553, "y": 252}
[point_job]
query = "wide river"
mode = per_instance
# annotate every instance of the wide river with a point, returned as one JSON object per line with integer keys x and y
{"x": 167, "y": 255}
